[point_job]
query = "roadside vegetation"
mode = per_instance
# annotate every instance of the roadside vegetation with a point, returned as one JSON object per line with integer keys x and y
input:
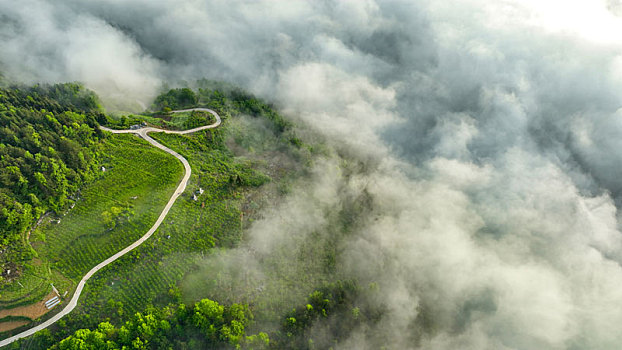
{"x": 164, "y": 120}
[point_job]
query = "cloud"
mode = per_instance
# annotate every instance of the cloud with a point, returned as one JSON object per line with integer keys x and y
{"x": 51, "y": 43}
{"x": 482, "y": 137}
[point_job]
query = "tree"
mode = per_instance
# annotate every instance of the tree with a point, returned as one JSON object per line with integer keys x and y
{"x": 257, "y": 341}
{"x": 208, "y": 317}
{"x": 176, "y": 99}
{"x": 84, "y": 339}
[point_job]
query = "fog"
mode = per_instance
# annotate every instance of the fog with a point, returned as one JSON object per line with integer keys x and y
{"x": 485, "y": 135}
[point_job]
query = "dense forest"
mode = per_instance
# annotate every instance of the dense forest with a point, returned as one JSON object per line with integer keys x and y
{"x": 208, "y": 324}
{"x": 48, "y": 137}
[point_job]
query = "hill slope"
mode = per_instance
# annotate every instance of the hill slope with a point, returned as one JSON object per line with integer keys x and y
{"x": 48, "y": 138}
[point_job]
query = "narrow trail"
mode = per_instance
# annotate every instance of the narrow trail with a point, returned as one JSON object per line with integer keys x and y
{"x": 180, "y": 189}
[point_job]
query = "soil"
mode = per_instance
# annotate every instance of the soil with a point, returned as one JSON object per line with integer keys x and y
{"x": 32, "y": 311}
{"x": 7, "y": 326}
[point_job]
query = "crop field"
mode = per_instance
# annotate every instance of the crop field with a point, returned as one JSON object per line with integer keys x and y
{"x": 193, "y": 227}
{"x": 32, "y": 286}
{"x": 108, "y": 215}
{"x": 114, "y": 211}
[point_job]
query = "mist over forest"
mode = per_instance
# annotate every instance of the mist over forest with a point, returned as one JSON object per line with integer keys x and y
{"x": 472, "y": 175}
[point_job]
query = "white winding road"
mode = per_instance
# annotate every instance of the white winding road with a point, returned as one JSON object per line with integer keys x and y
{"x": 180, "y": 189}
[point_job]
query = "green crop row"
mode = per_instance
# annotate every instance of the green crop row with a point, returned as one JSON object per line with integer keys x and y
{"x": 136, "y": 184}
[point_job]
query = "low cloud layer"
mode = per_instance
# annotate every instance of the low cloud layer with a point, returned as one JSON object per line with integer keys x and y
{"x": 488, "y": 136}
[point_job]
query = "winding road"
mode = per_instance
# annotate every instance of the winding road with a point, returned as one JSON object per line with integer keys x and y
{"x": 180, "y": 189}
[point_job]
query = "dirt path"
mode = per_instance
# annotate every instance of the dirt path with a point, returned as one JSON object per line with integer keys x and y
{"x": 180, "y": 189}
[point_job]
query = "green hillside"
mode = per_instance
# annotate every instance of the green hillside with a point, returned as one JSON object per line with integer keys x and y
{"x": 48, "y": 150}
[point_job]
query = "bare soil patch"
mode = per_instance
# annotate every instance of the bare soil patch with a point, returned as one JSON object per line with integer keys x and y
{"x": 31, "y": 311}
{"x": 7, "y": 326}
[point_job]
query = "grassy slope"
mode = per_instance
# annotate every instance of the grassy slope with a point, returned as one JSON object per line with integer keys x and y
{"x": 66, "y": 251}
{"x": 134, "y": 169}
{"x": 192, "y": 228}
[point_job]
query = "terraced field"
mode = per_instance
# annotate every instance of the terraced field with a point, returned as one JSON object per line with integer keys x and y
{"x": 114, "y": 211}
{"x": 192, "y": 228}
{"x": 137, "y": 182}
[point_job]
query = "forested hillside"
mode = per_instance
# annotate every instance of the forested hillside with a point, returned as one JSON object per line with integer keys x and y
{"x": 206, "y": 324}
{"x": 48, "y": 138}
